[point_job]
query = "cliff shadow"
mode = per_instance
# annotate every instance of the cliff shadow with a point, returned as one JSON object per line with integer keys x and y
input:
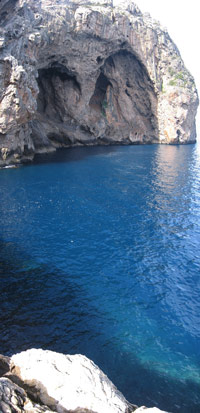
{"x": 47, "y": 308}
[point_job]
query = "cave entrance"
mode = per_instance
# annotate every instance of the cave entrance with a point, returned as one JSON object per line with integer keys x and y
{"x": 59, "y": 92}
{"x": 98, "y": 100}
{"x": 122, "y": 103}
{"x": 125, "y": 97}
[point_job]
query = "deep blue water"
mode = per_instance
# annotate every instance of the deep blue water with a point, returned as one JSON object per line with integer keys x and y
{"x": 100, "y": 255}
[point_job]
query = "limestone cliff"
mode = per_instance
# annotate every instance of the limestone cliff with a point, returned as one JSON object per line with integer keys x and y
{"x": 83, "y": 72}
{"x": 37, "y": 381}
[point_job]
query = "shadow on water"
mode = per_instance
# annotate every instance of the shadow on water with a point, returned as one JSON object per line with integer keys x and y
{"x": 40, "y": 307}
{"x": 73, "y": 154}
{"x": 79, "y": 153}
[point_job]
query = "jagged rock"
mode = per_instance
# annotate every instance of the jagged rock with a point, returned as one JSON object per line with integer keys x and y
{"x": 88, "y": 72}
{"x": 13, "y": 399}
{"x": 65, "y": 382}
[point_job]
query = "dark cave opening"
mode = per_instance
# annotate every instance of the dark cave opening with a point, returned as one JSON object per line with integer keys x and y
{"x": 54, "y": 71}
{"x": 129, "y": 106}
{"x": 99, "y": 59}
{"x": 122, "y": 102}
{"x": 58, "y": 89}
{"x": 99, "y": 96}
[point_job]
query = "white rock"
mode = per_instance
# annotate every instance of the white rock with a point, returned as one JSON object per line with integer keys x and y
{"x": 67, "y": 382}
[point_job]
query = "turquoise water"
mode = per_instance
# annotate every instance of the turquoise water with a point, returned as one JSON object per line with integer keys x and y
{"x": 100, "y": 255}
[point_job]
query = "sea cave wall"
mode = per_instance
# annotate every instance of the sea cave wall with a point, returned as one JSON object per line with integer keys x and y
{"x": 82, "y": 72}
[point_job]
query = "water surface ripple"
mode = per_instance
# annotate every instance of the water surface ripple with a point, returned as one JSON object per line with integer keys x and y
{"x": 99, "y": 254}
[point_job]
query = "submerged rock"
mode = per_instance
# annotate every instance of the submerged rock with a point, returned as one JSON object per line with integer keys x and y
{"x": 86, "y": 72}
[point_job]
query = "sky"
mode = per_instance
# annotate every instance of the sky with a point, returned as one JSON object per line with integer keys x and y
{"x": 182, "y": 20}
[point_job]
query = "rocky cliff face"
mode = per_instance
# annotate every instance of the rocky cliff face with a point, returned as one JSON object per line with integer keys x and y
{"x": 83, "y": 72}
{"x": 37, "y": 381}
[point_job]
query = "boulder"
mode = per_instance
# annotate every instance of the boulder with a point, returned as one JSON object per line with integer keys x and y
{"x": 64, "y": 382}
{"x": 38, "y": 380}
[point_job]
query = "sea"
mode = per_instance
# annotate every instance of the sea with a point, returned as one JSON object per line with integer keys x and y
{"x": 100, "y": 255}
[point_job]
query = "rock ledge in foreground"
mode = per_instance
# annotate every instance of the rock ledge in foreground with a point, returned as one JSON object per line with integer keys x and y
{"x": 44, "y": 381}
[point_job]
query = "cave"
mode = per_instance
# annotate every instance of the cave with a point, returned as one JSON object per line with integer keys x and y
{"x": 59, "y": 90}
{"x": 119, "y": 104}
{"x": 124, "y": 95}
{"x": 57, "y": 102}
{"x": 98, "y": 99}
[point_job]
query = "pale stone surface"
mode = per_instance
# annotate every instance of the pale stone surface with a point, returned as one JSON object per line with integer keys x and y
{"x": 83, "y": 72}
{"x": 37, "y": 381}
{"x": 65, "y": 382}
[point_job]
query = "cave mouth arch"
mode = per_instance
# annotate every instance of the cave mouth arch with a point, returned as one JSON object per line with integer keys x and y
{"x": 125, "y": 96}
{"x": 118, "y": 105}
{"x": 58, "y": 102}
{"x": 56, "y": 85}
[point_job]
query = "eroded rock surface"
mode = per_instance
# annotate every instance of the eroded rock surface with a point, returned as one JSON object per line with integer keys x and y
{"x": 82, "y": 72}
{"x": 13, "y": 399}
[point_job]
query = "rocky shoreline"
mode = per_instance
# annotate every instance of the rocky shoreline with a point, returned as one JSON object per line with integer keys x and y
{"x": 36, "y": 380}
{"x": 86, "y": 72}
